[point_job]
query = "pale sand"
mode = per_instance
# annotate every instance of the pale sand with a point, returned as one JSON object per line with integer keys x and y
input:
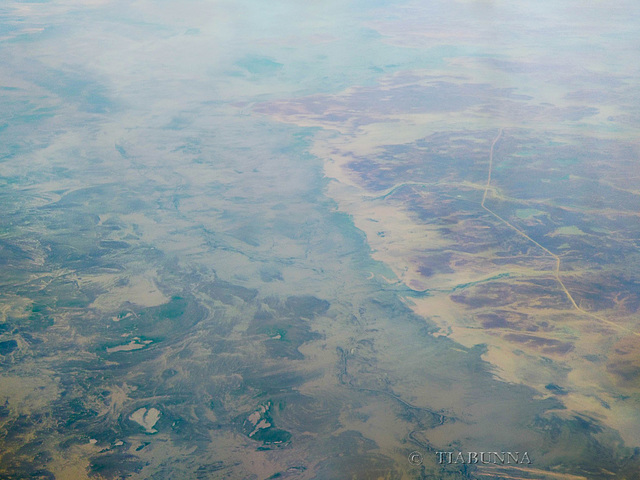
{"x": 73, "y": 463}
{"x": 30, "y": 391}
{"x": 139, "y": 289}
{"x": 135, "y": 344}
{"x": 146, "y": 418}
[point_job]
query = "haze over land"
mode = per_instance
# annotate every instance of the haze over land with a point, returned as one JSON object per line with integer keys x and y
{"x": 242, "y": 240}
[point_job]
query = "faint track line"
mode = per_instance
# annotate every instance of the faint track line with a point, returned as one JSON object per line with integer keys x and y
{"x": 556, "y": 271}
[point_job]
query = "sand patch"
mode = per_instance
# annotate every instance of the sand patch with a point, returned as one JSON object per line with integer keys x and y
{"x": 27, "y": 394}
{"x": 138, "y": 289}
{"x": 146, "y": 418}
{"x": 135, "y": 344}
